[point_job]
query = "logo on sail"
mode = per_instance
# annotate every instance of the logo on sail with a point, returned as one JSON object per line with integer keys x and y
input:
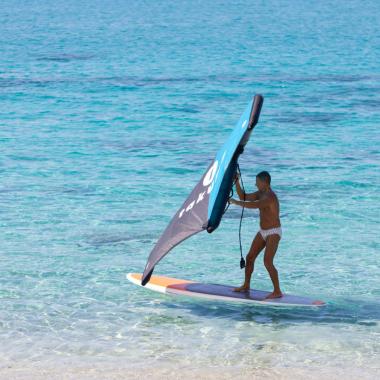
{"x": 207, "y": 182}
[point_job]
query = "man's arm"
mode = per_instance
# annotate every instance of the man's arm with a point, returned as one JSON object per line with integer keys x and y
{"x": 252, "y": 204}
{"x": 241, "y": 193}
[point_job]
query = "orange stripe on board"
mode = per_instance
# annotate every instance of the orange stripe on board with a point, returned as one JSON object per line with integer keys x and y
{"x": 164, "y": 281}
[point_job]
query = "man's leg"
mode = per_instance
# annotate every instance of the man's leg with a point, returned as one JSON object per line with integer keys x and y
{"x": 257, "y": 246}
{"x": 270, "y": 251}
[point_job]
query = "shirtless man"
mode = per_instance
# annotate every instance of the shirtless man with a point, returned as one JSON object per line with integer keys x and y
{"x": 270, "y": 230}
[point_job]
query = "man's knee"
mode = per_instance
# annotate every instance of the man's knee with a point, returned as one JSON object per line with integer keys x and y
{"x": 268, "y": 263}
{"x": 251, "y": 256}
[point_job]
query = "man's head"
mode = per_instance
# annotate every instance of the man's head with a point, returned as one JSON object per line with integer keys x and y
{"x": 263, "y": 180}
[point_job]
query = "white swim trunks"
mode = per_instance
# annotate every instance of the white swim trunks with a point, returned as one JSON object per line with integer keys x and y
{"x": 271, "y": 231}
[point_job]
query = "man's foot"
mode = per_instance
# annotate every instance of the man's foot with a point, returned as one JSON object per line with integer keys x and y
{"x": 242, "y": 288}
{"x": 274, "y": 295}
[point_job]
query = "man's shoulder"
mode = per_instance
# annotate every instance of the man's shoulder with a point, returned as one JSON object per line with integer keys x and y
{"x": 271, "y": 195}
{"x": 274, "y": 196}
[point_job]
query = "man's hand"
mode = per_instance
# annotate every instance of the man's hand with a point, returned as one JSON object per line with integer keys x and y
{"x": 232, "y": 201}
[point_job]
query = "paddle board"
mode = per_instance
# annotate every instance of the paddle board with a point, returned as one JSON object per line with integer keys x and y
{"x": 216, "y": 292}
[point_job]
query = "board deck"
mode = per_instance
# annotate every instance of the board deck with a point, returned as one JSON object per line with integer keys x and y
{"x": 216, "y": 292}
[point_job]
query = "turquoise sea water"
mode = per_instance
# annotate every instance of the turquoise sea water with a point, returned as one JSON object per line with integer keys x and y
{"x": 111, "y": 111}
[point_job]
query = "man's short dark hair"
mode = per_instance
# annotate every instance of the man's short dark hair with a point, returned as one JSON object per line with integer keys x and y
{"x": 264, "y": 176}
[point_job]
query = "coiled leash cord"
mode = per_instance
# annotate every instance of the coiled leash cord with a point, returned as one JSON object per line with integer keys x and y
{"x": 242, "y": 261}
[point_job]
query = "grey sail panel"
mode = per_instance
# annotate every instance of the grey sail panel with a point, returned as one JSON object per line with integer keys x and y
{"x": 187, "y": 221}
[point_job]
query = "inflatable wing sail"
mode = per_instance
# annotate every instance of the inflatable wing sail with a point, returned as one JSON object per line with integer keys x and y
{"x": 203, "y": 209}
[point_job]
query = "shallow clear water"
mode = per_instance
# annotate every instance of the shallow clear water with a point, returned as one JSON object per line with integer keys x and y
{"x": 109, "y": 115}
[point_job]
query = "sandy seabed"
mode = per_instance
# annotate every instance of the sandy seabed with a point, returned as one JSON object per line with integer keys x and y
{"x": 33, "y": 372}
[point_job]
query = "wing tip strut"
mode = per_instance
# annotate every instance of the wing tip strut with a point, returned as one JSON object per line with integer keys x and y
{"x": 145, "y": 278}
{"x": 256, "y": 109}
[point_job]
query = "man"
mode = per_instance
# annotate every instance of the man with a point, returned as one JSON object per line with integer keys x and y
{"x": 270, "y": 231}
